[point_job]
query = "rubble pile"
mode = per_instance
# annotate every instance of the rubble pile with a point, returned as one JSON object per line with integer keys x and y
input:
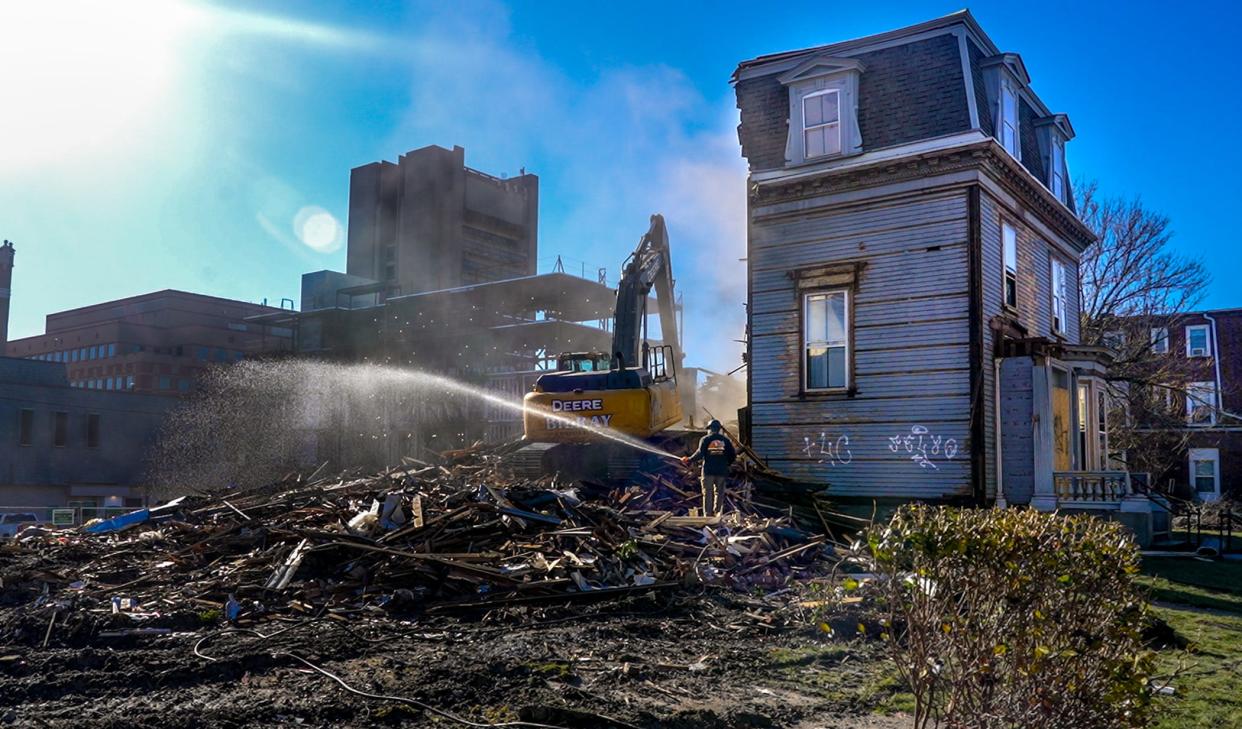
{"x": 416, "y": 539}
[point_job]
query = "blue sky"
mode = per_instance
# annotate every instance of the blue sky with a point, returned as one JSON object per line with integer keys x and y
{"x": 151, "y": 144}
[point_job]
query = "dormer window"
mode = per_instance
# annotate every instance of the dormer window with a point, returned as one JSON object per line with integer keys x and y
{"x": 1057, "y": 174}
{"x": 821, "y": 123}
{"x": 1052, "y": 132}
{"x": 823, "y": 109}
{"x": 1009, "y": 117}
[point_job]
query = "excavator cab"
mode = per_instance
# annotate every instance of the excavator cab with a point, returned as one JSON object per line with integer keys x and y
{"x": 572, "y": 404}
{"x": 583, "y": 362}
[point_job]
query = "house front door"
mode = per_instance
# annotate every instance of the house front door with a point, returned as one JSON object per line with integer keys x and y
{"x": 1061, "y": 421}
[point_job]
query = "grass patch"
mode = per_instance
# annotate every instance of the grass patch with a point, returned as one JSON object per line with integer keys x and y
{"x": 1208, "y": 670}
{"x": 1186, "y": 581}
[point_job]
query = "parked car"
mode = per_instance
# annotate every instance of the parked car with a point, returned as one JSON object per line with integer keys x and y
{"x": 11, "y": 524}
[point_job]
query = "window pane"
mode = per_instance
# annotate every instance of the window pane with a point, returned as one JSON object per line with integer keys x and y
{"x": 836, "y": 319}
{"x": 832, "y": 138}
{"x": 830, "y": 104}
{"x": 1205, "y": 485}
{"x": 812, "y": 111}
{"x": 836, "y": 367}
{"x": 816, "y": 367}
{"x": 1009, "y": 236}
{"x": 816, "y": 318}
{"x": 26, "y": 427}
{"x": 815, "y": 142}
{"x": 1204, "y": 468}
{"x": 1197, "y": 337}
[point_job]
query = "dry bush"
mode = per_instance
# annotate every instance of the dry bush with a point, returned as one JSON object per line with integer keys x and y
{"x": 1009, "y": 618}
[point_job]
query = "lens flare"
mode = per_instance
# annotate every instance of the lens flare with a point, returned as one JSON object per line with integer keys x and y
{"x": 318, "y": 229}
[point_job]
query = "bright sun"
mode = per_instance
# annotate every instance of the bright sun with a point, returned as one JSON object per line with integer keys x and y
{"x": 82, "y": 75}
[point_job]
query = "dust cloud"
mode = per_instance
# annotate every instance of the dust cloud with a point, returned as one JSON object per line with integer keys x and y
{"x": 253, "y": 422}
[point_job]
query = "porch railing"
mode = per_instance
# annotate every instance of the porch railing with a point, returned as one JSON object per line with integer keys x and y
{"x": 1097, "y": 487}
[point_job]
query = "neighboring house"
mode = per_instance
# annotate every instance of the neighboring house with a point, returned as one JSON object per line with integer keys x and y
{"x": 1210, "y": 465}
{"x": 62, "y": 446}
{"x": 913, "y": 277}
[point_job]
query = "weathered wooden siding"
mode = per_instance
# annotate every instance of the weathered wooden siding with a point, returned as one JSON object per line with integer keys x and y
{"x": 1034, "y": 273}
{"x": 1034, "y": 306}
{"x": 992, "y": 292}
{"x": 905, "y": 431}
{"x": 1017, "y": 430}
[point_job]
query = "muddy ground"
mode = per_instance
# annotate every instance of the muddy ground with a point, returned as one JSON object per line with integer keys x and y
{"x": 683, "y": 660}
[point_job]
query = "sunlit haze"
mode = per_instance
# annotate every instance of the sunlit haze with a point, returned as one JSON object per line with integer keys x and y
{"x": 207, "y": 146}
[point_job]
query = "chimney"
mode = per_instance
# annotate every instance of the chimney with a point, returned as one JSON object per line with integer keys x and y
{"x": 6, "y": 286}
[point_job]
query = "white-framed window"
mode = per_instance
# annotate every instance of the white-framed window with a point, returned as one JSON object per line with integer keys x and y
{"x": 826, "y": 341}
{"x": 1056, "y": 176}
{"x": 821, "y": 123}
{"x": 1205, "y": 473}
{"x": 1060, "y": 294}
{"x": 1009, "y": 244}
{"x": 1160, "y": 340}
{"x": 1009, "y": 117}
{"x": 1197, "y": 340}
{"x": 1201, "y": 403}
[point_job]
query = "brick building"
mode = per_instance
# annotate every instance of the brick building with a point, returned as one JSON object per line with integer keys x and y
{"x": 1211, "y": 466}
{"x": 67, "y": 447}
{"x": 154, "y": 343}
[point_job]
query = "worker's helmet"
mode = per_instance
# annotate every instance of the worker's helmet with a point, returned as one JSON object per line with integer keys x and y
{"x": 714, "y": 426}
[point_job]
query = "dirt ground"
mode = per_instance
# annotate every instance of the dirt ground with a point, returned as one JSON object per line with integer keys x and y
{"x": 656, "y": 660}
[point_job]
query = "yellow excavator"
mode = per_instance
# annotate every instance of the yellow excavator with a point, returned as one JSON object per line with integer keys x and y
{"x": 631, "y": 390}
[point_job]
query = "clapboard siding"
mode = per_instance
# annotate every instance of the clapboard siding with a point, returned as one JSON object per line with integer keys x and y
{"x": 923, "y": 409}
{"x": 911, "y": 347}
{"x": 1034, "y": 274}
{"x": 901, "y": 311}
{"x": 882, "y": 278}
{"x": 895, "y": 384}
{"x": 885, "y": 479}
{"x": 991, "y": 294}
{"x": 1034, "y": 312}
{"x": 931, "y": 358}
{"x": 937, "y": 444}
{"x": 874, "y": 218}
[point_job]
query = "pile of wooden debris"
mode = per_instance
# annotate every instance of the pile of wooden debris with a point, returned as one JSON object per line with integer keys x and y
{"x": 417, "y": 539}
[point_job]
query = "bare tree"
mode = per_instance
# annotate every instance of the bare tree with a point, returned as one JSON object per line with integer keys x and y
{"x": 1133, "y": 287}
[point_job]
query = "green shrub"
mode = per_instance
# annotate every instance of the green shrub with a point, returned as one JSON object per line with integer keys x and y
{"x": 1009, "y": 618}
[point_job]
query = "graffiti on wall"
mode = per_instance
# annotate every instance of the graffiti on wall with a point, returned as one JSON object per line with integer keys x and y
{"x": 929, "y": 450}
{"x": 924, "y": 447}
{"x": 833, "y": 451}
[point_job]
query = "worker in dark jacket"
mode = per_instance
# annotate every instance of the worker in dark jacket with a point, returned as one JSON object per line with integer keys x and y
{"x": 717, "y": 453}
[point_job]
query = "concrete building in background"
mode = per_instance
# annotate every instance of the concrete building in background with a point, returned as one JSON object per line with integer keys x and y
{"x": 428, "y": 223}
{"x": 62, "y": 446}
{"x": 160, "y": 342}
{"x": 6, "y": 288}
{"x": 443, "y": 277}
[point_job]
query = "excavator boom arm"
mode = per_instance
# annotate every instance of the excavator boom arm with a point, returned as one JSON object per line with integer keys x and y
{"x": 649, "y": 266}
